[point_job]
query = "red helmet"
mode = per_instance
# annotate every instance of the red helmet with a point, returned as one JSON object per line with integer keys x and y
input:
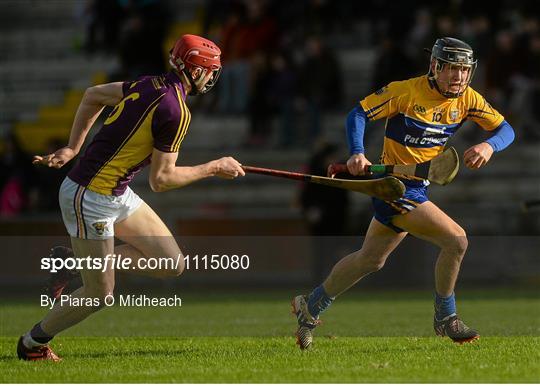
{"x": 192, "y": 51}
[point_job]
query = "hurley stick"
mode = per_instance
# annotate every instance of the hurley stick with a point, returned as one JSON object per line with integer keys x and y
{"x": 440, "y": 170}
{"x": 387, "y": 188}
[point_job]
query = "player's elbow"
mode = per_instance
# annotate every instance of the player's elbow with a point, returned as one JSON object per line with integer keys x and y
{"x": 163, "y": 172}
{"x": 157, "y": 183}
{"x": 92, "y": 96}
{"x": 156, "y": 186}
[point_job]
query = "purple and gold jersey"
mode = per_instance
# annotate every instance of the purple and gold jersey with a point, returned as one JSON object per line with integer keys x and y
{"x": 152, "y": 114}
{"x": 419, "y": 120}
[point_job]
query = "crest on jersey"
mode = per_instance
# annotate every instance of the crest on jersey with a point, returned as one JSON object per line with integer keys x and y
{"x": 100, "y": 227}
{"x": 419, "y": 109}
{"x": 454, "y": 114}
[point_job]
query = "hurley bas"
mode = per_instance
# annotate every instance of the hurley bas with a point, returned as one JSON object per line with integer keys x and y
{"x": 110, "y": 300}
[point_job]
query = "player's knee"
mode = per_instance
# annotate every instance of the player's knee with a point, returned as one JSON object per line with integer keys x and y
{"x": 370, "y": 262}
{"x": 179, "y": 267}
{"x": 175, "y": 265}
{"x": 457, "y": 242}
{"x": 460, "y": 242}
{"x": 376, "y": 264}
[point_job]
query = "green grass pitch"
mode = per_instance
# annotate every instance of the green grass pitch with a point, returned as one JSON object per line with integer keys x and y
{"x": 233, "y": 337}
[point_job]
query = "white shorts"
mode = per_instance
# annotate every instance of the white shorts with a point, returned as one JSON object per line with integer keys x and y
{"x": 91, "y": 215}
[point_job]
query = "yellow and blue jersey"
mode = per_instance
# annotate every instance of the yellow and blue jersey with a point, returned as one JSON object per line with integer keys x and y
{"x": 152, "y": 114}
{"x": 419, "y": 120}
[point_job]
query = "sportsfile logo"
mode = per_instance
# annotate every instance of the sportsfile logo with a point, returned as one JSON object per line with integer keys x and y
{"x": 118, "y": 262}
{"x": 110, "y": 261}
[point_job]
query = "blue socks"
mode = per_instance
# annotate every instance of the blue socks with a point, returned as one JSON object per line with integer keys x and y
{"x": 444, "y": 307}
{"x": 318, "y": 301}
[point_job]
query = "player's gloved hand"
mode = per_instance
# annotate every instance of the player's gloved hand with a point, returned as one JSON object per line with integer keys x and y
{"x": 57, "y": 159}
{"x": 227, "y": 167}
{"x": 357, "y": 163}
{"x": 478, "y": 155}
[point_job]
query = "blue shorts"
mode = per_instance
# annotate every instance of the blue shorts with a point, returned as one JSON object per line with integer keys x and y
{"x": 415, "y": 194}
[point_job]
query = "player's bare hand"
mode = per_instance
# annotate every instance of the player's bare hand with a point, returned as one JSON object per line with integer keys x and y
{"x": 478, "y": 155}
{"x": 57, "y": 159}
{"x": 357, "y": 164}
{"x": 227, "y": 167}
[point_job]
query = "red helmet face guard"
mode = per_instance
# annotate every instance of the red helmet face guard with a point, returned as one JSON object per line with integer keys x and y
{"x": 191, "y": 52}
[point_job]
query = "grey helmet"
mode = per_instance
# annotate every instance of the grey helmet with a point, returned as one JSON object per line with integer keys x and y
{"x": 454, "y": 52}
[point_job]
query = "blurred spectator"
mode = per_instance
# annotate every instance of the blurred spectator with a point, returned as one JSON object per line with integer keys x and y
{"x": 48, "y": 180}
{"x": 445, "y": 26}
{"x": 234, "y": 80}
{"x": 282, "y": 94}
{"x": 500, "y": 67}
{"x": 320, "y": 17}
{"x": 420, "y": 36}
{"x": 104, "y": 18}
{"x": 392, "y": 64}
{"x": 17, "y": 178}
{"x": 249, "y": 30}
{"x": 144, "y": 28}
{"x": 525, "y": 99}
{"x": 477, "y": 32}
{"x": 321, "y": 86}
{"x": 324, "y": 210}
{"x": 216, "y": 13}
{"x": 260, "y": 111}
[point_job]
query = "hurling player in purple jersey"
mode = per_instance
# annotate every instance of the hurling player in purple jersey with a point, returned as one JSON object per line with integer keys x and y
{"x": 146, "y": 127}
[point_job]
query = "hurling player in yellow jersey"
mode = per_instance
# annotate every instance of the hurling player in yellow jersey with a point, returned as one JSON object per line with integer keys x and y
{"x": 421, "y": 115}
{"x": 146, "y": 127}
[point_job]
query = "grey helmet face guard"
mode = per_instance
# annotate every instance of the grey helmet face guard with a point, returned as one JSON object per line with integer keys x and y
{"x": 456, "y": 54}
